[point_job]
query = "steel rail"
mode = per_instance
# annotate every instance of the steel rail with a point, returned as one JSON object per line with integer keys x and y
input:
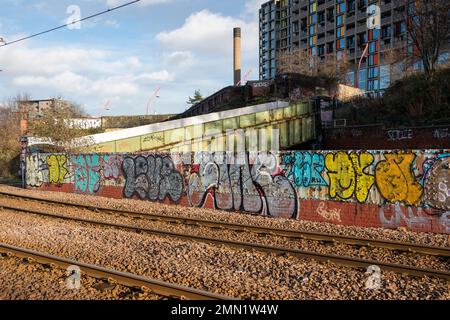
{"x": 296, "y": 234}
{"x": 342, "y": 260}
{"x": 128, "y": 279}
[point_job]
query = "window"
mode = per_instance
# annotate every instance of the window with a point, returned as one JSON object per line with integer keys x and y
{"x": 351, "y": 42}
{"x": 373, "y": 47}
{"x": 373, "y": 72}
{"x": 351, "y": 5}
{"x": 373, "y": 34}
{"x": 373, "y": 60}
{"x": 385, "y": 80}
{"x": 339, "y": 20}
{"x": 321, "y": 17}
{"x": 386, "y": 31}
{"x": 330, "y": 47}
{"x": 372, "y": 85}
{"x": 362, "y": 79}
{"x": 321, "y": 50}
{"x": 340, "y": 44}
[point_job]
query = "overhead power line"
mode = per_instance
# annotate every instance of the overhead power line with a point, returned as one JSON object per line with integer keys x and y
{"x": 68, "y": 24}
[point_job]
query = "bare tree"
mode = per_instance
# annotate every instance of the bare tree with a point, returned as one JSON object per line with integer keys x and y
{"x": 55, "y": 127}
{"x": 428, "y": 28}
{"x": 399, "y": 62}
{"x": 295, "y": 61}
{"x": 299, "y": 61}
{"x": 9, "y": 136}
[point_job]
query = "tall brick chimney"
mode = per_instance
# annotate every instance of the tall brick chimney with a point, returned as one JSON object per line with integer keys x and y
{"x": 237, "y": 55}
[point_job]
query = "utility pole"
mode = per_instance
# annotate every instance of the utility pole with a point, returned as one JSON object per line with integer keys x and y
{"x": 4, "y": 42}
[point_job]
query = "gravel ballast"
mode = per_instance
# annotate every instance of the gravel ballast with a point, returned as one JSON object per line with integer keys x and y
{"x": 402, "y": 234}
{"x": 24, "y": 280}
{"x": 363, "y": 252}
{"x": 234, "y": 272}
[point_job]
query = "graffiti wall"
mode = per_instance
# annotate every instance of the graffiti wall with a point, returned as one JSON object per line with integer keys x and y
{"x": 389, "y": 189}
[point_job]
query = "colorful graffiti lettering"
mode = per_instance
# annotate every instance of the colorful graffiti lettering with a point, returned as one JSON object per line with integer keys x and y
{"x": 36, "y": 171}
{"x": 153, "y": 178}
{"x": 348, "y": 176}
{"x": 395, "y": 179}
{"x": 306, "y": 168}
{"x": 437, "y": 185}
{"x": 237, "y": 187}
{"x": 86, "y": 171}
{"x": 57, "y": 170}
{"x": 418, "y": 220}
{"x": 110, "y": 166}
{"x": 412, "y": 188}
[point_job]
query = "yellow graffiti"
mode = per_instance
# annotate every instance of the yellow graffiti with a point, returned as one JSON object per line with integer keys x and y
{"x": 396, "y": 181}
{"x": 347, "y": 176}
{"x": 56, "y": 168}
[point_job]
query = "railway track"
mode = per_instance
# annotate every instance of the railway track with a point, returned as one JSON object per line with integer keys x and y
{"x": 342, "y": 260}
{"x": 295, "y": 234}
{"x": 162, "y": 288}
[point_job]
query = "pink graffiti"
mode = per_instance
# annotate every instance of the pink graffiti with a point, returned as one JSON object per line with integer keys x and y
{"x": 110, "y": 167}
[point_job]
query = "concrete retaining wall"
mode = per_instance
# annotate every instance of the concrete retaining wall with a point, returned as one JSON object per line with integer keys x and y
{"x": 387, "y": 189}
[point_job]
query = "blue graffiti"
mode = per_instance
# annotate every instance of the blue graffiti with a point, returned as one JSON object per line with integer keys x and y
{"x": 306, "y": 169}
{"x": 87, "y": 173}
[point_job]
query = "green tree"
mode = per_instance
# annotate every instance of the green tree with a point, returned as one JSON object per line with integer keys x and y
{"x": 196, "y": 99}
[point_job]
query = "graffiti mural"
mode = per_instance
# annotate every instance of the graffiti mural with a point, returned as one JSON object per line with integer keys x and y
{"x": 437, "y": 185}
{"x": 86, "y": 173}
{"x": 413, "y": 218}
{"x": 348, "y": 175}
{"x": 36, "y": 170}
{"x": 57, "y": 169}
{"x": 395, "y": 178}
{"x": 110, "y": 166}
{"x": 387, "y": 189}
{"x": 152, "y": 177}
{"x": 257, "y": 189}
{"x": 306, "y": 168}
{"x": 328, "y": 214}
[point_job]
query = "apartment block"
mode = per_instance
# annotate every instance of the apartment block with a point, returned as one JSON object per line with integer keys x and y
{"x": 337, "y": 28}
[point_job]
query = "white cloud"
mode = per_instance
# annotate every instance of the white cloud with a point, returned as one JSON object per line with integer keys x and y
{"x": 195, "y": 54}
{"x": 79, "y": 71}
{"x": 179, "y": 58}
{"x": 209, "y": 32}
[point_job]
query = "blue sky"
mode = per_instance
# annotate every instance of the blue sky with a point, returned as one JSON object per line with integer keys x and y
{"x": 123, "y": 56}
